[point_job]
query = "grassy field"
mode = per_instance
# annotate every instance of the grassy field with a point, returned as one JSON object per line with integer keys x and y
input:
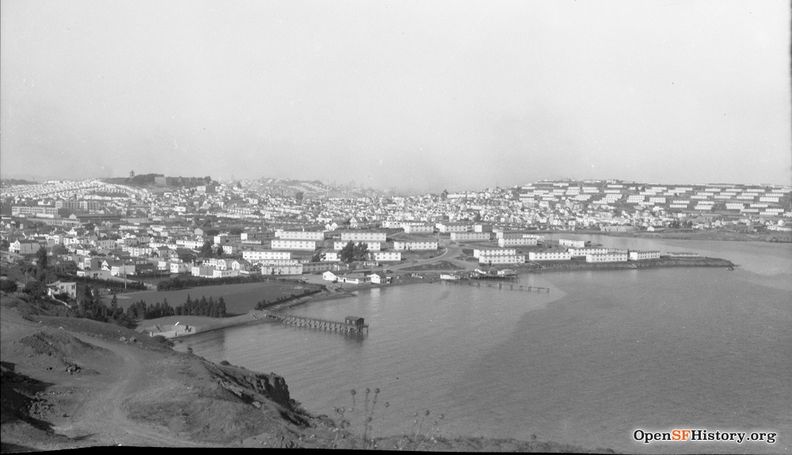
{"x": 439, "y": 265}
{"x": 239, "y": 298}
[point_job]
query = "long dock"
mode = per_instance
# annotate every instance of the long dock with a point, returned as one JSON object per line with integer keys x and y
{"x": 509, "y": 286}
{"x": 350, "y": 325}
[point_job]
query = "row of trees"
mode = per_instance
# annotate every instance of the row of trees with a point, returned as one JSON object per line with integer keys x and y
{"x": 184, "y": 282}
{"x": 202, "y": 307}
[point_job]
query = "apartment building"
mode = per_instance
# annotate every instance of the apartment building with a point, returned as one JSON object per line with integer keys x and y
{"x": 302, "y": 245}
{"x": 411, "y": 228}
{"x": 582, "y": 252}
{"x": 514, "y": 241}
{"x": 493, "y": 260}
{"x": 362, "y": 236}
{"x": 264, "y": 255}
{"x": 445, "y": 227}
{"x": 385, "y": 256}
{"x": 549, "y": 256}
{"x": 469, "y": 236}
{"x": 415, "y": 245}
{"x": 608, "y": 257}
{"x": 643, "y": 255}
{"x": 299, "y": 235}
{"x": 478, "y": 252}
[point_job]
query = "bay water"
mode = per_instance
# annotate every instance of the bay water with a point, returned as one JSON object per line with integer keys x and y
{"x": 603, "y": 354}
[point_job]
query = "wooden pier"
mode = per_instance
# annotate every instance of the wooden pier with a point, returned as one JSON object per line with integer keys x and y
{"x": 507, "y": 286}
{"x": 352, "y": 325}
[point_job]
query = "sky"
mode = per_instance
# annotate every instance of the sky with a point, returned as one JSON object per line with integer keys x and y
{"x": 408, "y": 94}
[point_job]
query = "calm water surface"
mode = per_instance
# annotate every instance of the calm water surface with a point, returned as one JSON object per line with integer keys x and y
{"x": 604, "y": 353}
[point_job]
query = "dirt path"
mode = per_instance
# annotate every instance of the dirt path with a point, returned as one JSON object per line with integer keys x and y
{"x": 102, "y": 417}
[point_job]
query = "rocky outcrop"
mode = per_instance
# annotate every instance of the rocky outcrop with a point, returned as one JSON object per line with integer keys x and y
{"x": 254, "y": 388}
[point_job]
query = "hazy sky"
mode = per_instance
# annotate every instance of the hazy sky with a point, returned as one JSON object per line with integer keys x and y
{"x": 414, "y": 94}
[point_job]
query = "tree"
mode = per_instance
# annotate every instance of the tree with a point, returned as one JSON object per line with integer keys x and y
{"x": 360, "y": 251}
{"x": 347, "y": 253}
{"x": 298, "y": 197}
{"x": 41, "y": 262}
{"x": 353, "y": 252}
{"x": 35, "y": 289}
{"x": 206, "y": 249}
{"x": 185, "y": 255}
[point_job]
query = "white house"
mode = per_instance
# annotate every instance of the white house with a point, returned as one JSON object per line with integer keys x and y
{"x": 330, "y": 276}
{"x": 379, "y": 278}
{"x": 62, "y": 287}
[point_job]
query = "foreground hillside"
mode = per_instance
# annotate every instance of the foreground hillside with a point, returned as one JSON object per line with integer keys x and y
{"x": 70, "y": 382}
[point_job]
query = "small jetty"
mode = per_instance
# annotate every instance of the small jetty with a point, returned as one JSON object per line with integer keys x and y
{"x": 351, "y": 325}
{"x": 508, "y": 286}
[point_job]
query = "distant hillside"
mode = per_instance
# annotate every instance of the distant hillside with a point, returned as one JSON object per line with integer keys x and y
{"x": 10, "y": 182}
{"x": 149, "y": 180}
{"x": 309, "y": 188}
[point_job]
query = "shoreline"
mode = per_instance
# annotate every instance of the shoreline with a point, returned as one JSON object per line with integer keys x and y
{"x": 433, "y": 276}
{"x": 722, "y": 236}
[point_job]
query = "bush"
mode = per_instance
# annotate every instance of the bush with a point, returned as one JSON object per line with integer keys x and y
{"x": 8, "y": 286}
{"x": 36, "y": 289}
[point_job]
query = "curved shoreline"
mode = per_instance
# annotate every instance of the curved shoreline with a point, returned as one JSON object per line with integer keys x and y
{"x": 432, "y": 276}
